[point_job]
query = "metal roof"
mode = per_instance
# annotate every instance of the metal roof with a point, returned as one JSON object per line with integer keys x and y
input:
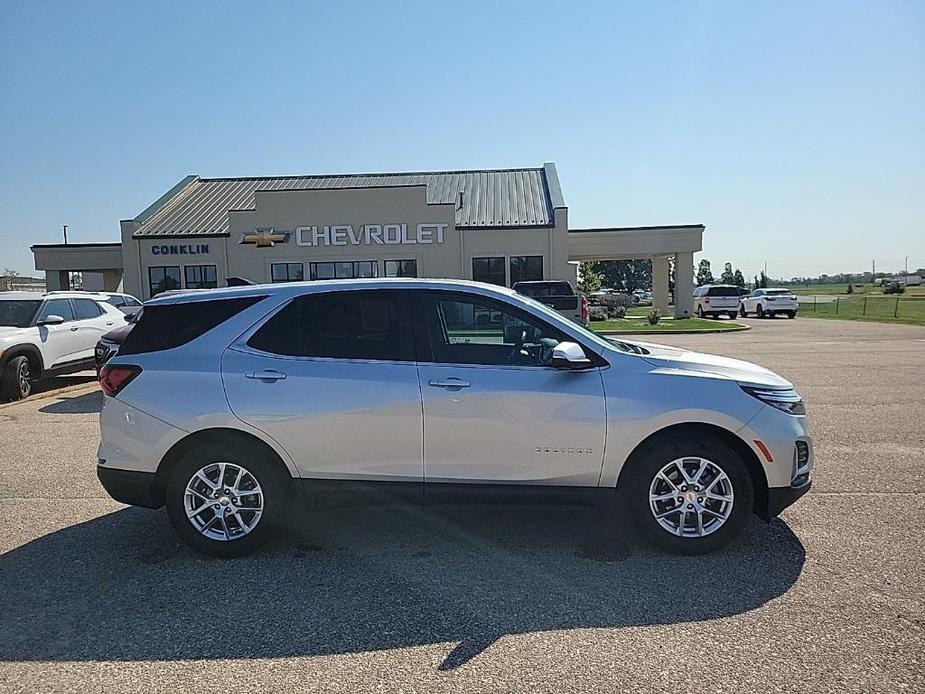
{"x": 490, "y": 198}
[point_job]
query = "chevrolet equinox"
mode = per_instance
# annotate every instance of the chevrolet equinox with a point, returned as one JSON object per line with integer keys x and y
{"x": 227, "y": 405}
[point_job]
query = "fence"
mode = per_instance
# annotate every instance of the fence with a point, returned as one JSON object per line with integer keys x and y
{"x": 907, "y": 307}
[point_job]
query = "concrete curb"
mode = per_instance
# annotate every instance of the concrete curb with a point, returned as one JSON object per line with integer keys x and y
{"x": 699, "y": 331}
{"x": 50, "y": 394}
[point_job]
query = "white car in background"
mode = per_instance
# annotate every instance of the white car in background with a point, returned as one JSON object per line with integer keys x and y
{"x": 767, "y": 303}
{"x": 43, "y": 335}
{"x": 714, "y": 300}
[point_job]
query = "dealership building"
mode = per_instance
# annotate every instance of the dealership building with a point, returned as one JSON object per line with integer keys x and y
{"x": 500, "y": 226}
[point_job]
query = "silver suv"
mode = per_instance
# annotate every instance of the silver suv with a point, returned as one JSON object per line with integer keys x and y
{"x": 226, "y": 405}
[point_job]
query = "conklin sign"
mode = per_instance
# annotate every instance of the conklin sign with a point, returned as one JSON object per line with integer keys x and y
{"x": 368, "y": 234}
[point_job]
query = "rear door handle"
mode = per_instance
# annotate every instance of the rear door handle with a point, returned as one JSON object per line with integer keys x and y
{"x": 449, "y": 383}
{"x": 267, "y": 375}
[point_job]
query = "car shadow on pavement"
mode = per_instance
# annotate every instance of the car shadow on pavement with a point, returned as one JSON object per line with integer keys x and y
{"x": 88, "y": 403}
{"x": 121, "y": 587}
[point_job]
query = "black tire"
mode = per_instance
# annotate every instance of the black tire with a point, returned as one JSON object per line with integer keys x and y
{"x": 268, "y": 472}
{"x": 759, "y": 311}
{"x": 742, "y": 311}
{"x": 16, "y": 379}
{"x": 731, "y": 315}
{"x": 644, "y": 467}
{"x": 700, "y": 313}
{"x": 791, "y": 314}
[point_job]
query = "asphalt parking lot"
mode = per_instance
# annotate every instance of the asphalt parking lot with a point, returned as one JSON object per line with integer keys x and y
{"x": 95, "y": 596}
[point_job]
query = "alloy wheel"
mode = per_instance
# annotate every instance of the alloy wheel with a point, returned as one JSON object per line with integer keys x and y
{"x": 691, "y": 497}
{"x": 24, "y": 379}
{"x": 223, "y": 501}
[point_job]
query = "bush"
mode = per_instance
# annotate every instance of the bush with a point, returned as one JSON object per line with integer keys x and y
{"x": 894, "y": 288}
{"x": 613, "y": 300}
{"x": 654, "y": 316}
{"x": 850, "y": 289}
{"x": 597, "y": 313}
{"x": 617, "y": 312}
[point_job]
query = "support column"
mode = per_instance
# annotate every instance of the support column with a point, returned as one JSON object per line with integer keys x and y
{"x": 57, "y": 280}
{"x": 112, "y": 280}
{"x": 660, "y": 296}
{"x": 684, "y": 284}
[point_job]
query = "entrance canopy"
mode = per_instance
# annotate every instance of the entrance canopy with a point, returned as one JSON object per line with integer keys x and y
{"x": 655, "y": 243}
{"x": 58, "y": 260}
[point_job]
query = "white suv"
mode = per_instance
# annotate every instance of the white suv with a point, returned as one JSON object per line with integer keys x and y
{"x": 48, "y": 335}
{"x": 714, "y": 300}
{"x": 767, "y": 303}
{"x": 227, "y": 404}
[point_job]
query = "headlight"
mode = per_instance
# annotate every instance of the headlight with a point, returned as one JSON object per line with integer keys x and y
{"x": 784, "y": 399}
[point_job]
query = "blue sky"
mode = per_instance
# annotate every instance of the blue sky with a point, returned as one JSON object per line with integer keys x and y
{"x": 794, "y": 131}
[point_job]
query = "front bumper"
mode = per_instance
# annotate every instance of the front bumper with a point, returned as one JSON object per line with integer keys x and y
{"x": 129, "y": 486}
{"x": 780, "y": 498}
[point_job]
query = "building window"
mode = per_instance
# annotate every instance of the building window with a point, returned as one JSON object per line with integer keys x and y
{"x": 401, "y": 268}
{"x": 287, "y": 272}
{"x": 200, "y": 277}
{"x": 526, "y": 268}
{"x": 343, "y": 270}
{"x": 161, "y": 278}
{"x": 489, "y": 270}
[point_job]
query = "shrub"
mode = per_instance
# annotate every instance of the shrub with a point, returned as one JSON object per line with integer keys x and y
{"x": 597, "y": 313}
{"x": 654, "y": 316}
{"x": 613, "y": 300}
{"x": 617, "y": 312}
{"x": 850, "y": 289}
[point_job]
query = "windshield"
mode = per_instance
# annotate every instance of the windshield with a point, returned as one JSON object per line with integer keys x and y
{"x": 19, "y": 313}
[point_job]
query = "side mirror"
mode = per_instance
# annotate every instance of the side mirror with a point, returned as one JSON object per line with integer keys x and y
{"x": 569, "y": 355}
{"x": 51, "y": 319}
{"x": 128, "y": 317}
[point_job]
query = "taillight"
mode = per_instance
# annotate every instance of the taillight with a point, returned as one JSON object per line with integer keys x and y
{"x": 585, "y": 311}
{"x": 706, "y": 300}
{"x": 114, "y": 378}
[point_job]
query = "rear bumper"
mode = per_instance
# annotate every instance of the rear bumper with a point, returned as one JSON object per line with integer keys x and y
{"x": 129, "y": 486}
{"x": 780, "y": 498}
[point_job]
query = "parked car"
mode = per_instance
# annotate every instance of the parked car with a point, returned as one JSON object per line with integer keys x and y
{"x": 767, "y": 303}
{"x": 559, "y": 295}
{"x": 109, "y": 343}
{"x": 714, "y": 300}
{"x": 44, "y": 335}
{"x": 228, "y": 404}
{"x": 126, "y": 303}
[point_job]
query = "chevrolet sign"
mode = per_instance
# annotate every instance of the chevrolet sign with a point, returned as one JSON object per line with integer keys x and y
{"x": 367, "y": 234}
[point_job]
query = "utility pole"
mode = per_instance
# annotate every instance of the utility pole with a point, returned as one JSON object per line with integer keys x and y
{"x": 906, "y": 267}
{"x": 65, "y": 234}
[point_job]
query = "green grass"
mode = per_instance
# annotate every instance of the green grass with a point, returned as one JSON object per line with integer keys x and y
{"x": 875, "y": 308}
{"x": 635, "y": 325}
{"x": 867, "y": 289}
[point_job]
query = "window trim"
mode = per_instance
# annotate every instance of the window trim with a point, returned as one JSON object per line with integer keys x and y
{"x": 241, "y": 344}
{"x": 504, "y": 262}
{"x": 287, "y": 265}
{"x": 424, "y": 348}
{"x": 201, "y": 268}
{"x": 151, "y": 294}
{"x": 353, "y": 263}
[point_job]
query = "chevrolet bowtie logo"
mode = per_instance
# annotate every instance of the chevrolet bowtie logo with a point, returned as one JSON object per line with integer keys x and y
{"x": 264, "y": 238}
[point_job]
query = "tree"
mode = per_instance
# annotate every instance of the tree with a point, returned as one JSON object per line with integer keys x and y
{"x": 626, "y": 275}
{"x": 763, "y": 282}
{"x": 588, "y": 279}
{"x": 738, "y": 279}
{"x": 728, "y": 276}
{"x": 704, "y": 275}
{"x": 9, "y": 273}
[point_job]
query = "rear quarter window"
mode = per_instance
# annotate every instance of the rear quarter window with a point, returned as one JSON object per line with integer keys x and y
{"x": 168, "y": 326}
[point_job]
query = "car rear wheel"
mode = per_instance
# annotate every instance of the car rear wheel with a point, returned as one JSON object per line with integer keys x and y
{"x": 690, "y": 494}
{"x": 791, "y": 314}
{"x": 759, "y": 311}
{"x": 700, "y": 313}
{"x": 742, "y": 311}
{"x": 16, "y": 379}
{"x": 226, "y": 501}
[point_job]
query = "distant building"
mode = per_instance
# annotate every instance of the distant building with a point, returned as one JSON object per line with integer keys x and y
{"x": 21, "y": 284}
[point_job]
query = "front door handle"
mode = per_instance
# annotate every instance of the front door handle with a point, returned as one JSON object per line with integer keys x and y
{"x": 452, "y": 383}
{"x": 267, "y": 375}
{"x": 75, "y": 329}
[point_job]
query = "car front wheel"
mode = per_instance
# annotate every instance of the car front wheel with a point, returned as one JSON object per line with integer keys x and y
{"x": 225, "y": 501}
{"x": 690, "y": 494}
{"x": 16, "y": 379}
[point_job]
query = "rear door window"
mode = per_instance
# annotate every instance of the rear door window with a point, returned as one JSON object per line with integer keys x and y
{"x": 367, "y": 325}
{"x": 87, "y": 308}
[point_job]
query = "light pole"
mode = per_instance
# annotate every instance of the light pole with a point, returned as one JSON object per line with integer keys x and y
{"x": 65, "y": 234}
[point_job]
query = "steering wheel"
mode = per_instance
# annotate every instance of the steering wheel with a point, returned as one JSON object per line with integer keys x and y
{"x": 514, "y": 354}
